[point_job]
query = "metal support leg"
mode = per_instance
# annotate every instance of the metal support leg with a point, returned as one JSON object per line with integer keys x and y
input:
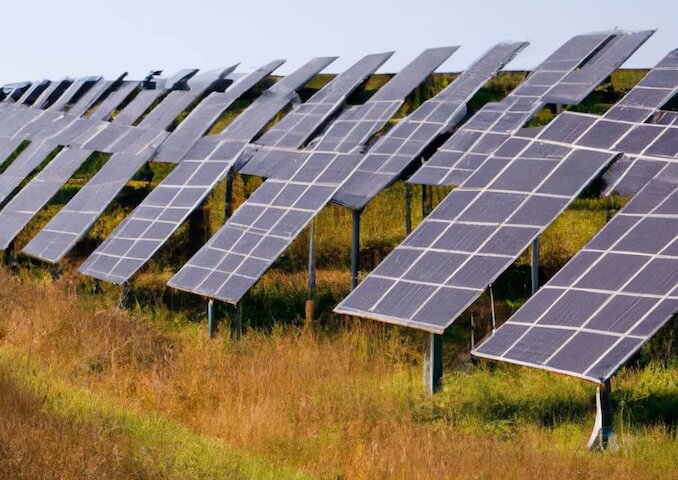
{"x": 211, "y": 322}
{"x": 408, "y": 208}
{"x": 535, "y": 265}
{"x": 355, "y": 249}
{"x": 433, "y": 362}
{"x": 603, "y": 433}
{"x": 426, "y": 200}
{"x": 9, "y": 256}
{"x": 229, "y": 195}
{"x": 310, "y": 302}
{"x": 236, "y": 322}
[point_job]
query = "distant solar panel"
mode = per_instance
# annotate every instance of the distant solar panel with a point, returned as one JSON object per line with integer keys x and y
{"x": 70, "y": 224}
{"x": 21, "y": 209}
{"x": 474, "y": 234}
{"x": 393, "y": 153}
{"x": 297, "y": 127}
{"x": 74, "y": 90}
{"x": 134, "y": 241}
{"x": 555, "y": 80}
{"x": 250, "y": 241}
{"x": 610, "y": 299}
{"x": 33, "y": 92}
{"x": 199, "y": 121}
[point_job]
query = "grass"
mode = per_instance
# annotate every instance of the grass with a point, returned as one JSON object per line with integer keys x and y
{"x": 331, "y": 402}
{"x": 52, "y": 430}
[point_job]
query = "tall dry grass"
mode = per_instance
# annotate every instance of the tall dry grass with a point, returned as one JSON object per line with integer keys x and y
{"x": 343, "y": 404}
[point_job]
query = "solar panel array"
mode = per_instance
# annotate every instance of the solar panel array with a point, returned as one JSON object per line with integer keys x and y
{"x": 135, "y": 240}
{"x": 609, "y": 299}
{"x": 481, "y": 227}
{"x": 560, "y": 78}
{"x": 392, "y": 154}
{"x": 250, "y": 241}
{"x": 297, "y": 127}
{"x": 79, "y": 214}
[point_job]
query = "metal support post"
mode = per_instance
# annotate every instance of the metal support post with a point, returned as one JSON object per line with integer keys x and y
{"x": 535, "y": 266}
{"x": 229, "y": 195}
{"x": 211, "y": 322}
{"x": 433, "y": 362}
{"x": 603, "y": 433}
{"x": 310, "y": 301}
{"x": 408, "y": 208}
{"x": 236, "y": 322}
{"x": 355, "y": 248}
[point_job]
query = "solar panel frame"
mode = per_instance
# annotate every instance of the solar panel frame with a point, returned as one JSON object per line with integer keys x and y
{"x": 189, "y": 185}
{"x": 493, "y": 123}
{"x": 624, "y": 310}
{"x": 396, "y": 151}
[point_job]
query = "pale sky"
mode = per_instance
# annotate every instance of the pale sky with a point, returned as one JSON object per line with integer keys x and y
{"x": 52, "y": 39}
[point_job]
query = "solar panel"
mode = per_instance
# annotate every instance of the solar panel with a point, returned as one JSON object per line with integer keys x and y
{"x": 393, "y": 153}
{"x": 108, "y": 105}
{"x": 99, "y": 91}
{"x": 135, "y": 240}
{"x": 50, "y": 92}
{"x": 20, "y": 210}
{"x": 608, "y": 300}
{"x": 259, "y": 231}
{"x": 22, "y": 166}
{"x": 199, "y": 121}
{"x": 33, "y": 92}
{"x": 72, "y": 223}
{"x": 77, "y": 217}
{"x": 78, "y": 87}
{"x": 297, "y": 127}
{"x": 458, "y": 158}
{"x": 475, "y": 233}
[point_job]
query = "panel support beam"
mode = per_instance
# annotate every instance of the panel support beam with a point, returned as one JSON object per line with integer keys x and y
{"x": 355, "y": 248}
{"x": 433, "y": 362}
{"x": 211, "y": 321}
{"x": 408, "y": 208}
{"x": 229, "y": 195}
{"x": 535, "y": 266}
{"x": 310, "y": 301}
{"x": 236, "y": 322}
{"x": 602, "y": 436}
{"x": 426, "y": 200}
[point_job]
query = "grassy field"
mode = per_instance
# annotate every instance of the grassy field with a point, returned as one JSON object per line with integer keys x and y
{"x": 97, "y": 381}
{"x": 131, "y": 396}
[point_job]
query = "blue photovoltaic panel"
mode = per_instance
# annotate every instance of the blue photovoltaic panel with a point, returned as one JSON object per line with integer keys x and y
{"x": 393, "y": 153}
{"x": 298, "y": 126}
{"x": 135, "y": 240}
{"x": 474, "y": 234}
{"x": 201, "y": 119}
{"x": 259, "y": 231}
{"x": 56, "y": 239}
{"x": 458, "y": 158}
{"x": 608, "y": 300}
{"x": 20, "y": 210}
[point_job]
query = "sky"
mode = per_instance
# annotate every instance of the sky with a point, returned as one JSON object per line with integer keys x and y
{"x": 54, "y": 39}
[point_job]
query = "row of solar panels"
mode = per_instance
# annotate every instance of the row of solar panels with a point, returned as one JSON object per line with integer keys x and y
{"x": 511, "y": 184}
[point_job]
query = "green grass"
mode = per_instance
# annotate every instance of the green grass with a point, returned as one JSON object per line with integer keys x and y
{"x": 161, "y": 448}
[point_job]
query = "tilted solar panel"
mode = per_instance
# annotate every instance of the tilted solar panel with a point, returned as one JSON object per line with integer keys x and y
{"x": 608, "y": 300}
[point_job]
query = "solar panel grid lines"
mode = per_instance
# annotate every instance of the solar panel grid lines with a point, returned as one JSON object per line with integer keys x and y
{"x": 70, "y": 225}
{"x": 295, "y": 128}
{"x": 234, "y": 259}
{"x": 73, "y": 221}
{"x": 488, "y": 128}
{"x": 16, "y": 214}
{"x": 394, "y": 152}
{"x": 581, "y": 81}
{"x": 139, "y": 236}
{"x": 207, "y": 112}
{"x": 306, "y": 188}
{"x": 473, "y": 235}
{"x": 22, "y": 166}
{"x": 609, "y": 316}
